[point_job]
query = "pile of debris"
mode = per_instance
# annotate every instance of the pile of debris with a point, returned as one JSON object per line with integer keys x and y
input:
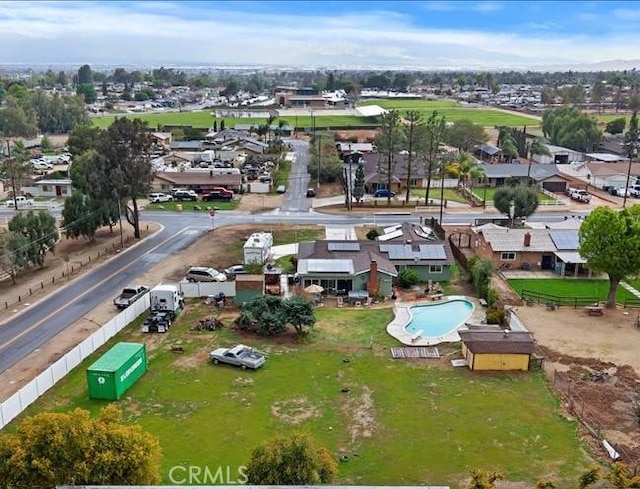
{"x": 208, "y": 324}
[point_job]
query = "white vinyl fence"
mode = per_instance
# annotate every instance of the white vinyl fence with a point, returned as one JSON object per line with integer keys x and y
{"x": 17, "y": 403}
{"x": 205, "y": 289}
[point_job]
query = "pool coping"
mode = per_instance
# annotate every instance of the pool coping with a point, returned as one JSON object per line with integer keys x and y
{"x": 396, "y": 327}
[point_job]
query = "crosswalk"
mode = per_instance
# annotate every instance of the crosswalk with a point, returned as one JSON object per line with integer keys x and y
{"x": 630, "y": 288}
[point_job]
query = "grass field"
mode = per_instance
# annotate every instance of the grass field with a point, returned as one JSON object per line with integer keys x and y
{"x": 490, "y": 192}
{"x": 454, "y": 111}
{"x": 401, "y": 423}
{"x": 204, "y": 119}
{"x": 434, "y": 193}
{"x": 189, "y": 206}
{"x": 570, "y": 287}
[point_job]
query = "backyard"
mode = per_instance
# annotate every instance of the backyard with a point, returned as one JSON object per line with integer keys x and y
{"x": 398, "y": 422}
{"x": 572, "y": 287}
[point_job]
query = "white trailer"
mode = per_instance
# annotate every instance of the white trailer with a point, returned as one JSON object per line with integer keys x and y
{"x": 258, "y": 248}
{"x": 166, "y": 298}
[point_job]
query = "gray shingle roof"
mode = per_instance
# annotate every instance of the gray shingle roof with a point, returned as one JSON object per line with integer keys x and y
{"x": 497, "y": 341}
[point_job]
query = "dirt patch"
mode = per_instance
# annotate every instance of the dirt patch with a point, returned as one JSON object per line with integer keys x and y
{"x": 187, "y": 362}
{"x": 295, "y": 411}
{"x": 259, "y": 202}
{"x": 359, "y": 135}
{"x": 359, "y": 410}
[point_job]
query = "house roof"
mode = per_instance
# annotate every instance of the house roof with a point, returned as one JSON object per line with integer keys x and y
{"x": 199, "y": 178}
{"x": 513, "y": 240}
{"x": 186, "y": 145}
{"x": 161, "y": 135}
{"x": 608, "y": 169}
{"x": 606, "y": 157}
{"x": 536, "y": 171}
{"x": 491, "y": 341}
{"x": 59, "y": 181}
{"x": 370, "y": 110}
{"x": 569, "y": 223}
{"x": 315, "y": 255}
{"x": 344, "y": 146}
{"x": 488, "y": 149}
{"x": 560, "y": 150}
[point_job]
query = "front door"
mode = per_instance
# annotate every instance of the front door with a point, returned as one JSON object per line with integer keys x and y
{"x": 58, "y": 191}
{"x": 547, "y": 262}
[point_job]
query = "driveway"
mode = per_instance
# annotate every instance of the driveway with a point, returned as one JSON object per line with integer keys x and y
{"x": 295, "y": 198}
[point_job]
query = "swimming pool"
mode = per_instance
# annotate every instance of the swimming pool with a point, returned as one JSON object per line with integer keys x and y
{"x": 438, "y": 319}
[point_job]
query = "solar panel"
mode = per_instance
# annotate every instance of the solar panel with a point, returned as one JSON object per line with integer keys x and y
{"x": 391, "y": 229}
{"x": 432, "y": 252}
{"x": 400, "y": 252}
{"x": 317, "y": 265}
{"x": 343, "y": 246}
{"x": 565, "y": 239}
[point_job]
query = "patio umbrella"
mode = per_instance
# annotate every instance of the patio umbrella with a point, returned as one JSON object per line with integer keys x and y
{"x": 314, "y": 289}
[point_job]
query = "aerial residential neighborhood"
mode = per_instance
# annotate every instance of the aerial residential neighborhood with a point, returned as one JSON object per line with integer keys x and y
{"x": 319, "y": 244}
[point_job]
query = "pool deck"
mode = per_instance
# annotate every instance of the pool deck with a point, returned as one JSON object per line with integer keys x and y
{"x": 396, "y": 328}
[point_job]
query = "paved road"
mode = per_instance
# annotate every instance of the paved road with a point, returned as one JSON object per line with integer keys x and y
{"x": 295, "y": 198}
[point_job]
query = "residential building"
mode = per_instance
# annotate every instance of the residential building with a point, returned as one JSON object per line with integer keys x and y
{"x": 195, "y": 180}
{"x": 558, "y": 155}
{"x": 547, "y": 177}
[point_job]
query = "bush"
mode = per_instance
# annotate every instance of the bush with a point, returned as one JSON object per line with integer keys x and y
{"x": 373, "y": 234}
{"x": 492, "y": 296}
{"x": 496, "y": 314}
{"x": 408, "y": 277}
{"x": 481, "y": 270}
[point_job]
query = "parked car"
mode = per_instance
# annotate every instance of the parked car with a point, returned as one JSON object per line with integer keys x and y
{"x": 21, "y": 200}
{"x": 218, "y": 194}
{"x": 129, "y": 295}
{"x": 240, "y": 355}
{"x": 311, "y": 192}
{"x": 185, "y": 195}
{"x": 581, "y": 196}
{"x": 635, "y": 190}
{"x": 157, "y": 197}
{"x": 383, "y": 192}
{"x": 234, "y": 270}
{"x": 205, "y": 274}
{"x": 281, "y": 189}
{"x": 623, "y": 192}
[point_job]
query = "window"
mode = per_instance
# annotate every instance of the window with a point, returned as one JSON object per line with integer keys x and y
{"x": 63, "y": 190}
{"x": 413, "y": 182}
{"x": 45, "y": 188}
{"x": 435, "y": 268}
{"x": 508, "y": 256}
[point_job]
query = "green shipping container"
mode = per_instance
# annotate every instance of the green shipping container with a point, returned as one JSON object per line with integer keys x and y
{"x": 117, "y": 370}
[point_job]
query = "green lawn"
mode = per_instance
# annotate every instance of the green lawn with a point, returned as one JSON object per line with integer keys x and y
{"x": 204, "y": 119}
{"x": 604, "y": 118}
{"x": 401, "y": 423}
{"x": 490, "y": 192}
{"x": 569, "y": 287}
{"x": 189, "y": 205}
{"x": 434, "y": 193}
{"x": 454, "y": 111}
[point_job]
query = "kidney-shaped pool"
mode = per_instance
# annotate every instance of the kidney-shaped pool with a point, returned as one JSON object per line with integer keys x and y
{"x": 438, "y": 319}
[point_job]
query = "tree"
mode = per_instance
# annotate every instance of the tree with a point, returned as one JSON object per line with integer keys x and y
{"x": 264, "y": 315}
{"x": 293, "y": 460}
{"x": 516, "y": 202}
{"x": 81, "y": 216}
{"x": 126, "y": 148}
{"x": 482, "y": 479}
{"x": 85, "y": 75}
{"x": 467, "y": 169}
{"x": 619, "y": 254}
{"x": 597, "y": 92}
{"x": 15, "y": 167}
{"x": 509, "y": 149}
{"x": 331, "y": 82}
{"x": 616, "y": 126}
{"x": 52, "y": 449}
{"x": 480, "y": 270}
{"x": 299, "y": 314}
{"x": 631, "y": 137}
{"x": 465, "y": 134}
{"x": 88, "y": 91}
{"x": 83, "y": 138}
{"x": 390, "y": 142}
{"x": 537, "y": 147}
{"x": 358, "y": 184}
{"x": 41, "y": 231}
{"x": 414, "y": 122}
{"x": 16, "y": 120}
{"x": 430, "y": 135}
{"x": 621, "y": 478}
{"x": 45, "y": 144}
{"x": 408, "y": 277}
{"x": 231, "y": 89}
{"x": 571, "y": 128}
{"x": 13, "y": 253}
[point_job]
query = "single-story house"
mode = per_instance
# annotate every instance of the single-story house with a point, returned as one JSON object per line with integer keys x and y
{"x": 51, "y": 188}
{"x": 163, "y": 139}
{"x": 487, "y": 152}
{"x": 547, "y": 177}
{"x": 558, "y": 155}
{"x": 253, "y": 146}
{"x": 603, "y": 175}
{"x": 530, "y": 249}
{"x": 342, "y": 267}
{"x": 605, "y": 158}
{"x": 195, "y": 180}
{"x": 496, "y": 350}
{"x": 186, "y": 146}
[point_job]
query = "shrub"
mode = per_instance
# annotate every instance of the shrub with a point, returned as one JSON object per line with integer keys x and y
{"x": 492, "y": 296}
{"x": 408, "y": 278}
{"x": 496, "y": 314}
{"x": 373, "y": 234}
{"x": 481, "y": 270}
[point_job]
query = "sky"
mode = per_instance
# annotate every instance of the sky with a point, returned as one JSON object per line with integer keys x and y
{"x": 430, "y": 35}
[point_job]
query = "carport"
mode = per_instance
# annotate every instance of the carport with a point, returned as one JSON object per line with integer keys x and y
{"x": 570, "y": 263}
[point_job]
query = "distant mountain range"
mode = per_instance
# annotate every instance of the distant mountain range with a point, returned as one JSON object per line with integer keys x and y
{"x": 611, "y": 65}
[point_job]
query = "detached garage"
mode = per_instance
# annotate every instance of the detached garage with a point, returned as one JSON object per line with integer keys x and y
{"x": 496, "y": 350}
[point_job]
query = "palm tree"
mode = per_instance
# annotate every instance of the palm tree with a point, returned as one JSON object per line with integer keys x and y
{"x": 468, "y": 169}
{"x": 509, "y": 149}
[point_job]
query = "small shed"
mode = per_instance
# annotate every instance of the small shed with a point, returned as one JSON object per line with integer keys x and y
{"x": 257, "y": 248}
{"x": 496, "y": 350}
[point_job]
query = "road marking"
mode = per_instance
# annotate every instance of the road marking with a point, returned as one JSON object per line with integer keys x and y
{"x": 43, "y": 320}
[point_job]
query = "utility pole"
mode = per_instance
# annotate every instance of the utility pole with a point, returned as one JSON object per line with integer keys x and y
{"x": 120, "y": 222}
{"x": 350, "y": 180}
{"x": 13, "y": 176}
{"x": 319, "y": 160}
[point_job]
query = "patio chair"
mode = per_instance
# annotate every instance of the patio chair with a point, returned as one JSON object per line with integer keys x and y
{"x": 339, "y": 301}
{"x": 369, "y": 301}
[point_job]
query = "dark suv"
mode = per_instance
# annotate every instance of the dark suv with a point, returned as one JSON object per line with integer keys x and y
{"x": 311, "y": 192}
{"x": 185, "y": 195}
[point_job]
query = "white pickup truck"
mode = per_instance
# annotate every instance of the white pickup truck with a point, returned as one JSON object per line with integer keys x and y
{"x": 21, "y": 200}
{"x": 580, "y": 195}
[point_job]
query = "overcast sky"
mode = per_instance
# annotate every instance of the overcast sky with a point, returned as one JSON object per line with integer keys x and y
{"x": 428, "y": 34}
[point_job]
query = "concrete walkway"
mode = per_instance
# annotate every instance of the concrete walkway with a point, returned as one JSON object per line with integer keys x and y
{"x": 346, "y": 233}
{"x": 630, "y": 288}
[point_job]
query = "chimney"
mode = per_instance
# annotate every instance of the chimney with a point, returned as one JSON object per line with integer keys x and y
{"x": 527, "y": 239}
{"x": 373, "y": 285}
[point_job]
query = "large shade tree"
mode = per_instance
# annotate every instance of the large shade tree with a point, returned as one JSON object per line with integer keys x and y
{"x": 571, "y": 128}
{"x": 390, "y": 141}
{"x": 610, "y": 243}
{"x": 516, "y": 202}
{"x": 430, "y": 136}
{"x": 465, "y": 135}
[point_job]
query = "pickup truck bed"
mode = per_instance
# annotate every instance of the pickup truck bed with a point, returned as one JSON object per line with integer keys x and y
{"x": 129, "y": 295}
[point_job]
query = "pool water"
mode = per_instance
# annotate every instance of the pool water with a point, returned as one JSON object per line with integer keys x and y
{"x": 439, "y": 319}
